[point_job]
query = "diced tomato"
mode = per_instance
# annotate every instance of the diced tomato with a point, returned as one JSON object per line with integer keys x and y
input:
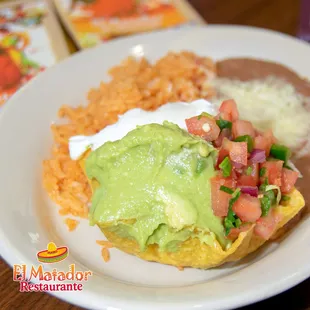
{"x": 223, "y": 115}
{"x": 242, "y": 128}
{"x": 225, "y": 133}
{"x": 264, "y": 141}
{"x": 268, "y": 134}
{"x": 265, "y": 226}
{"x": 261, "y": 143}
{"x": 257, "y": 132}
{"x": 234, "y": 174}
{"x": 255, "y": 170}
{"x": 247, "y": 208}
{"x": 238, "y": 151}
{"x": 252, "y": 179}
{"x": 273, "y": 172}
{"x": 219, "y": 198}
{"x": 289, "y": 178}
{"x": 234, "y": 232}
{"x": 229, "y": 111}
{"x": 203, "y": 126}
{"x": 246, "y": 180}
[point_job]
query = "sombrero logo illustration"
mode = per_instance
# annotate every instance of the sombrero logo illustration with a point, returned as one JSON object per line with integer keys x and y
{"x": 53, "y": 254}
{"x": 40, "y": 278}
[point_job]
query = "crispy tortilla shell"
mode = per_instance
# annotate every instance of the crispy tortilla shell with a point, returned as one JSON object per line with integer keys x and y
{"x": 192, "y": 252}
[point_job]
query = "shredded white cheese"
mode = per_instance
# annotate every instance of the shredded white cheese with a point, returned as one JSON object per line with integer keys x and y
{"x": 270, "y": 103}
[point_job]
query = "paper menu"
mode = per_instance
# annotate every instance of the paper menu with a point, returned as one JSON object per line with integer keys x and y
{"x": 91, "y": 22}
{"x": 30, "y": 41}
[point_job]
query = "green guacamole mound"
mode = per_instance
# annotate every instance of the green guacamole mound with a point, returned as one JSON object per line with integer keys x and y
{"x": 155, "y": 187}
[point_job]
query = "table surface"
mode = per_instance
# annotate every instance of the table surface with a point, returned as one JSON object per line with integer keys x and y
{"x": 279, "y": 15}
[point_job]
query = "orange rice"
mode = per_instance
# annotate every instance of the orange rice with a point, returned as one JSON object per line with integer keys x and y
{"x": 71, "y": 224}
{"x": 105, "y": 254}
{"x": 134, "y": 84}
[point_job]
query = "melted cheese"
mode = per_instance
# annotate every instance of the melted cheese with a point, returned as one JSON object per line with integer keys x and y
{"x": 270, "y": 103}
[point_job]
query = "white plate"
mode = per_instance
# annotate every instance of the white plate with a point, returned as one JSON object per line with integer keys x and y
{"x": 28, "y": 220}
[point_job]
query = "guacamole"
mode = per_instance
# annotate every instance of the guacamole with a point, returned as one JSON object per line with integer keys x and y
{"x": 154, "y": 187}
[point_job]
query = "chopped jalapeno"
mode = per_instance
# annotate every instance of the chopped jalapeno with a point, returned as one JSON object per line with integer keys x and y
{"x": 286, "y": 198}
{"x": 248, "y": 139}
{"x": 224, "y": 124}
{"x": 226, "y": 189}
{"x": 226, "y": 167}
{"x": 248, "y": 170}
{"x": 231, "y": 220}
{"x": 271, "y": 195}
{"x": 262, "y": 171}
{"x": 228, "y": 225}
{"x": 236, "y": 195}
{"x": 263, "y": 186}
{"x": 265, "y": 203}
{"x": 280, "y": 152}
{"x": 238, "y": 222}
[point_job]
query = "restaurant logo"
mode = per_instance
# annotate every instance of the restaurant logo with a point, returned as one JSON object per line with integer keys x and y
{"x": 51, "y": 280}
{"x": 53, "y": 254}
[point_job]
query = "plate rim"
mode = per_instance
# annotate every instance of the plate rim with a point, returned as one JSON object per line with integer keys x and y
{"x": 11, "y": 257}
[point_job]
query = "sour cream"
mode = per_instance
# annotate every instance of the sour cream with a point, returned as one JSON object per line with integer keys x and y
{"x": 173, "y": 112}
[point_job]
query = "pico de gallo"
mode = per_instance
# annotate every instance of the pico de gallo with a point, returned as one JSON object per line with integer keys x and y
{"x": 253, "y": 172}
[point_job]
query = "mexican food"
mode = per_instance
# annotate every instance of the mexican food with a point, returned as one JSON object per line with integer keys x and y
{"x": 186, "y": 77}
{"x": 195, "y": 198}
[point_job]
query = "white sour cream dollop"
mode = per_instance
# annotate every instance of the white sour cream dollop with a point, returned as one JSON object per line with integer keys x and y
{"x": 173, "y": 112}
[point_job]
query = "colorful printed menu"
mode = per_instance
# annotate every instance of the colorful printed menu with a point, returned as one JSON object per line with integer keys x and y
{"x": 30, "y": 41}
{"x": 91, "y": 22}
